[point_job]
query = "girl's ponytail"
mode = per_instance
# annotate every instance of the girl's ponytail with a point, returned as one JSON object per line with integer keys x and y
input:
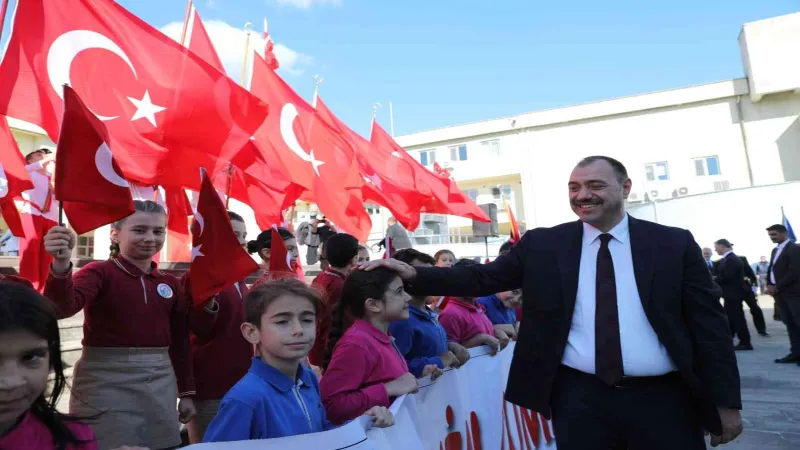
{"x": 336, "y": 331}
{"x": 114, "y": 250}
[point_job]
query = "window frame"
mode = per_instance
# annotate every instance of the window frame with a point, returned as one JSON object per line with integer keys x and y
{"x": 704, "y": 160}
{"x": 654, "y": 165}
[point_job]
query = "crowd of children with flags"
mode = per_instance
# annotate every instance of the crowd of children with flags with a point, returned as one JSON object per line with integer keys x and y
{"x": 271, "y": 359}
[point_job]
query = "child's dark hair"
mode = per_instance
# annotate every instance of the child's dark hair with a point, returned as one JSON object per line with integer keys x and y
{"x": 359, "y": 286}
{"x": 264, "y": 240}
{"x": 506, "y": 247}
{"x": 408, "y": 255}
{"x": 147, "y": 206}
{"x": 341, "y": 249}
{"x": 233, "y": 216}
{"x": 23, "y": 308}
{"x": 441, "y": 252}
{"x": 259, "y": 298}
{"x": 463, "y": 262}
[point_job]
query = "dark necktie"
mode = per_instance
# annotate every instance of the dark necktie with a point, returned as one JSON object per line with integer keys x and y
{"x": 608, "y": 350}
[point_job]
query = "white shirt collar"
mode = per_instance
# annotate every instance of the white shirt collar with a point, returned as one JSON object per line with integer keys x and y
{"x": 783, "y": 244}
{"x": 727, "y": 253}
{"x": 620, "y": 232}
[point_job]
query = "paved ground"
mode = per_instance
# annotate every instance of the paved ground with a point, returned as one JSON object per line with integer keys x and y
{"x": 770, "y": 392}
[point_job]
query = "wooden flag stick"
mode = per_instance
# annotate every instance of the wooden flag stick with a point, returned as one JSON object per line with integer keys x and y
{"x": 186, "y": 22}
{"x": 246, "y": 51}
{"x": 229, "y": 170}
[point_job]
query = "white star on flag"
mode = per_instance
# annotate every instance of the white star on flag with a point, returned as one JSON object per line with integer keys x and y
{"x": 145, "y": 109}
{"x": 196, "y": 252}
{"x": 315, "y": 163}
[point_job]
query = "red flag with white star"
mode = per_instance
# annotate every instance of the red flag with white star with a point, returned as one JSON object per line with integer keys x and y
{"x": 159, "y": 102}
{"x": 217, "y": 258}
{"x": 280, "y": 261}
{"x": 14, "y": 179}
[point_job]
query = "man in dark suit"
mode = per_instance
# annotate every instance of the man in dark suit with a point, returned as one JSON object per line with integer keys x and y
{"x": 783, "y": 283}
{"x": 623, "y": 337}
{"x": 729, "y": 275}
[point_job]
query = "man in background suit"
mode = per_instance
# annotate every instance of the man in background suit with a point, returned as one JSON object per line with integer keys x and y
{"x": 784, "y": 284}
{"x": 729, "y": 274}
{"x": 751, "y": 280}
{"x": 623, "y": 336}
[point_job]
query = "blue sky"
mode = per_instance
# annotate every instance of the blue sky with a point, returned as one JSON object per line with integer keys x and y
{"x": 448, "y": 62}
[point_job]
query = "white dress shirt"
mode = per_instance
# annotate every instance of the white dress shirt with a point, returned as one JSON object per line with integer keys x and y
{"x": 36, "y": 198}
{"x": 778, "y": 251}
{"x": 642, "y": 353}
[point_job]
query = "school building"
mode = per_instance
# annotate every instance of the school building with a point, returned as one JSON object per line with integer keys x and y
{"x": 728, "y": 137}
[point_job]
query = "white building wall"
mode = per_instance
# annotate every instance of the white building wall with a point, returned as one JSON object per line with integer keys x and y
{"x": 741, "y": 216}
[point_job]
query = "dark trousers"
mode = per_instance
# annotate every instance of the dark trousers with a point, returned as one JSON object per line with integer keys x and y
{"x": 758, "y": 315}
{"x": 735, "y": 309}
{"x": 789, "y": 307}
{"x": 588, "y": 415}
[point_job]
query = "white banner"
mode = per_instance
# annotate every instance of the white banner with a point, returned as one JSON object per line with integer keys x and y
{"x": 463, "y": 409}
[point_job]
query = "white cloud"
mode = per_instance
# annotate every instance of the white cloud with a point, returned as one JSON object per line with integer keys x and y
{"x": 229, "y": 43}
{"x": 211, "y": 4}
{"x": 306, "y": 4}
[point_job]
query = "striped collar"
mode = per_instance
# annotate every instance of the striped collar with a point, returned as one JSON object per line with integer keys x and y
{"x": 128, "y": 267}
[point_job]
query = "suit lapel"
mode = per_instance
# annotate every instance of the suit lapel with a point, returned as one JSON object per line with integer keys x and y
{"x": 569, "y": 262}
{"x": 642, "y": 251}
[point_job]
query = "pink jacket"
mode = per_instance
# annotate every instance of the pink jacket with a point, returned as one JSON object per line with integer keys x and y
{"x": 364, "y": 359}
{"x": 32, "y": 434}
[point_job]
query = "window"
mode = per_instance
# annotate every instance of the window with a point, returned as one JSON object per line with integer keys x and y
{"x": 505, "y": 190}
{"x": 85, "y": 247}
{"x": 427, "y": 157}
{"x": 706, "y": 166}
{"x": 473, "y": 194}
{"x": 656, "y": 171}
{"x": 458, "y": 153}
{"x": 491, "y": 148}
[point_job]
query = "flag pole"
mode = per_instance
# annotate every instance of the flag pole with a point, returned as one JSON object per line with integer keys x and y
{"x": 246, "y": 51}
{"x": 185, "y": 22}
{"x": 229, "y": 170}
{"x": 317, "y": 81}
{"x": 391, "y": 119}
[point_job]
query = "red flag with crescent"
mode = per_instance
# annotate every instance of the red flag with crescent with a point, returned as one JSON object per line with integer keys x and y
{"x": 280, "y": 261}
{"x": 218, "y": 260}
{"x": 91, "y": 190}
{"x": 14, "y": 179}
{"x": 159, "y": 102}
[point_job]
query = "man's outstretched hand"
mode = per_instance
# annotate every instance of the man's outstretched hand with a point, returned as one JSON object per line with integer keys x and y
{"x": 407, "y": 273}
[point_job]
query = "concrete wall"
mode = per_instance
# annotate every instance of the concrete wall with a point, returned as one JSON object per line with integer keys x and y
{"x": 741, "y": 216}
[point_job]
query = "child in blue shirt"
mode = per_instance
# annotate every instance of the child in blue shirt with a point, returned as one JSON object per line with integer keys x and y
{"x": 278, "y": 396}
{"x": 501, "y": 310}
{"x": 421, "y": 339}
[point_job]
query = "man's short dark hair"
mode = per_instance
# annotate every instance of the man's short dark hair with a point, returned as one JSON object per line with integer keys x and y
{"x": 407, "y": 255}
{"x": 620, "y": 172}
{"x": 233, "y": 216}
{"x": 340, "y": 249}
{"x": 778, "y": 227}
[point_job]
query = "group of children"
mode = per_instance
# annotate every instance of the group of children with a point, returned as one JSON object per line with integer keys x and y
{"x": 279, "y": 359}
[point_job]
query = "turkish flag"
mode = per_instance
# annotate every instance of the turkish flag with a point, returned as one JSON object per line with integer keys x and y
{"x": 92, "y": 193}
{"x": 199, "y": 42}
{"x": 178, "y": 211}
{"x": 389, "y": 253}
{"x": 280, "y": 262}
{"x": 443, "y": 194}
{"x": 269, "y": 47}
{"x": 160, "y": 102}
{"x": 217, "y": 258}
{"x": 389, "y": 181}
{"x": 14, "y": 179}
{"x": 515, "y": 234}
{"x": 328, "y": 169}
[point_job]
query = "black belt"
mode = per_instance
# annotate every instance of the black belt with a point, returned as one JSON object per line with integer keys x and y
{"x": 630, "y": 382}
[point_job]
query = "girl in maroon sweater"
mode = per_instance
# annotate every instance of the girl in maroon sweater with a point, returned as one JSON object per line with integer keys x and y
{"x": 221, "y": 355}
{"x": 136, "y": 356}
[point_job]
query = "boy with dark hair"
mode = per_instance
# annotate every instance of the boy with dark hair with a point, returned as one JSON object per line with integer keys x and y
{"x": 420, "y": 338}
{"x": 278, "y": 397}
{"x": 341, "y": 251}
